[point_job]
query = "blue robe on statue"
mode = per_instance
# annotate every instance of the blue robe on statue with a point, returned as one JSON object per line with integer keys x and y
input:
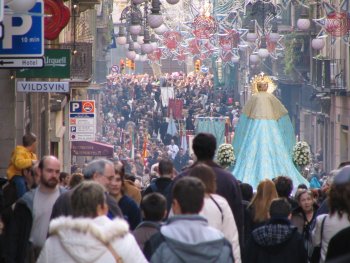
{"x": 263, "y": 142}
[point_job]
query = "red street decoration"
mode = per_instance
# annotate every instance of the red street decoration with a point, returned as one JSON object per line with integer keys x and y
{"x": 155, "y": 55}
{"x": 175, "y": 108}
{"x": 337, "y": 24}
{"x": 226, "y": 57}
{"x": 193, "y": 46}
{"x": 229, "y": 41}
{"x": 204, "y": 26}
{"x": 171, "y": 39}
{"x": 271, "y": 46}
{"x": 181, "y": 56}
{"x": 57, "y": 17}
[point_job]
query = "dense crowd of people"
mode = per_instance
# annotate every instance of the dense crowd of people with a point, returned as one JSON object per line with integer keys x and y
{"x": 153, "y": 202}
{"x": 200, "y": 214}
{"x": 136, "y": 102}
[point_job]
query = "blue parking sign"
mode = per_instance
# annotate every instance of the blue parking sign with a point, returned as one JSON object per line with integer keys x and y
{"x": 24, "y": 33}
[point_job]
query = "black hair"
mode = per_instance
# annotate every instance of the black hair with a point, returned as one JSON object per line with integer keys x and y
{"x": 247, "y": 191}
{"x": 63, "y": 175}
{"x": 284, "y": 186}
{"x": 280, "y": 208}
{"x": 189, "y": 193}
{"x": 153, "y": 206}
{"x": 204, "y": 146}
{"x": 302, "y": 186}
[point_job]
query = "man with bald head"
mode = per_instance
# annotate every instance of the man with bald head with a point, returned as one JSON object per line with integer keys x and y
{"x": 28, "y": 230}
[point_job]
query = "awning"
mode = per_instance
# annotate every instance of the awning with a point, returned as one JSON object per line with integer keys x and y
{"x": 92, "y": 149}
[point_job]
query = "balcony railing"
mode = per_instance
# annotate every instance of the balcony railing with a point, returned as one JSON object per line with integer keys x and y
{"x": 328, "y": 74}
{"x": 338, "y": 77}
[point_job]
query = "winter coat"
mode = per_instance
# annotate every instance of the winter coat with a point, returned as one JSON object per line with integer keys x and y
{"x": 130, "y": 210}
{"x": 332, "y": 225}
{"x": 339, "y": 245}
{"x": 277, "y": 241}
{"x": 132, "y": 191}
{"x": 83, "y": 240}
{"x": 219, "y": 215}
{"x": 21, "y": 158}
{"x": 19, "y": 228}
{"x": 188, "y": 238}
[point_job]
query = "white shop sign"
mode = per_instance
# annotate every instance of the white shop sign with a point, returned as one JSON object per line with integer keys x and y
{"x": 32, "y": 86}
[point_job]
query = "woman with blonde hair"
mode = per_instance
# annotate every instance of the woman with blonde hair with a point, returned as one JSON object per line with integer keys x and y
{"x": 258, "y": 208}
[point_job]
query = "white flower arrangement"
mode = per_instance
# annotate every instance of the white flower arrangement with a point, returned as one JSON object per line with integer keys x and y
{"x": 301, "y": 154}
{"x": 225, "y": 155}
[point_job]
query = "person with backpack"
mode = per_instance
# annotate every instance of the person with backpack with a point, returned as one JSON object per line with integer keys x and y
{"x": 187, "y": 237}
{"x": 153, "y": 207}
{"x": 164, "y": 183}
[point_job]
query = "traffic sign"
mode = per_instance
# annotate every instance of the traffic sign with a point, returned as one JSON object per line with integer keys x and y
{"x": 82, "y": 120}
{"x": 115, "y": 68}
{"x": 24, "y": 33}
{"x": 21, "y": 62}
{"x": 204, "y": 69}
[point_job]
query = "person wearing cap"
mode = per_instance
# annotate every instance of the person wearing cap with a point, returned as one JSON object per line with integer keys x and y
{"x": 339, "y": 212}
{"x": 278, "y": 240}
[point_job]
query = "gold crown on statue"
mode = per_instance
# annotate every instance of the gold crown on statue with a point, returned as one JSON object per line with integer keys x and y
{"x": 262, "y": 83}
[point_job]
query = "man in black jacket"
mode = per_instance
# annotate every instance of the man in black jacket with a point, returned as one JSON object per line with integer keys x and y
{"x": 278, "y": 240}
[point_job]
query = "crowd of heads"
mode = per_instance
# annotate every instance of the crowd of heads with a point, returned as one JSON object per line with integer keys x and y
{"x": 135, "y": 101}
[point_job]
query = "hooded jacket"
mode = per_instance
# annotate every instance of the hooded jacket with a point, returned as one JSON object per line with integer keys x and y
{"x": 277, "y": 241}
{"x": 21, "y": 158}
{"x": 188, "y": 238}
{"x": 83, "y": 240}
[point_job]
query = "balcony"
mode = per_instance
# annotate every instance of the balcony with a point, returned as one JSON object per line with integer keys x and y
{"x": 328, "y": 77}
{"x": 87, "y": 4}
{"x": 338, "y": 77}
{"x": 328, "y": 74}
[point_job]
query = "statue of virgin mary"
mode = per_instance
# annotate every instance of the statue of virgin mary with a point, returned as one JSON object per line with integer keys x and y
{"x": 264, "y": 138}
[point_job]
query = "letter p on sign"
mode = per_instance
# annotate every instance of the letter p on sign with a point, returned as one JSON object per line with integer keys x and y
{"x": 75, "y": 106}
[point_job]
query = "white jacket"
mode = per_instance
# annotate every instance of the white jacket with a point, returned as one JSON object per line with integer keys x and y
{"x": 78, "y": 240}
{"x": 332, "y": 225}
{"x": 222, "y": 220}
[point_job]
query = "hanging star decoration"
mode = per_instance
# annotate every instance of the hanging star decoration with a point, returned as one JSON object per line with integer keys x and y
{"x": 335, "y": 24}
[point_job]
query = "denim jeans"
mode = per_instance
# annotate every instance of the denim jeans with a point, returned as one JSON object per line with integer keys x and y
{"x": 20, "y": 184}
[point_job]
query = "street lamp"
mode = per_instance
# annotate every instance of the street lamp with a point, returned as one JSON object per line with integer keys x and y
{"x": 121, "y": 37}
{"x": 303, "y": 22}
{"x": 263, "y": 52}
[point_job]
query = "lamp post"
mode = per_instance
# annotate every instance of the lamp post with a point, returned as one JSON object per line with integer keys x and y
{"x": 137, "y": 25}
{"x": 260, "y": 11}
